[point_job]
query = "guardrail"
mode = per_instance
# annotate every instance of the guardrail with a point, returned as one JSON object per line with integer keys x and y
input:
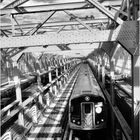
{"x": 17, "y": 107}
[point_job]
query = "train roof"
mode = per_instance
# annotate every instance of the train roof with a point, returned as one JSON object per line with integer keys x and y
{"x": 86, "y": 86}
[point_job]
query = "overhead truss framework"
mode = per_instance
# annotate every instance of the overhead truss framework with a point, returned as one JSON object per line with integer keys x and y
{"x": 55, "y": 24}
{"x": 106, "y": 11}
{"x": 69, "y": 37}
{"x": 125, "y": 34}
{"x": 52, "y": 7}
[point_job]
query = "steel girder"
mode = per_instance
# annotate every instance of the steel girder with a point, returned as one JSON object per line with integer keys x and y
{"x": 34, "y": 30}
{"x": 63, "y": 47}
{"x": 129, "y": 36}
{"x": 125, "y": 34}
{"x": 106, "y": 11}
{"x": 79, "y": 20}
{"x": 52, "y": 7}
{"x": 54, "y": 24}
{"x": 14, "y": 3}
{"x": 3, "y": 33}
{"x": 53, "y": 38}
{"x": 107, "y": 47}
{"x": 45, "y": 8}
{"x": 18, "y": 50}
{"x": 120, "y": 11}
{"x": 15, "y": 51}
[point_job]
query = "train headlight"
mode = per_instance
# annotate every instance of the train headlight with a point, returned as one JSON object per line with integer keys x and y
{"x": 98, "y": 109}
{"x": 78, "y": 122}
{"x": 73, "y": 121}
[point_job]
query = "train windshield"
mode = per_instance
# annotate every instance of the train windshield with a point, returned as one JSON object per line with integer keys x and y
{"x": 87, "y": 108}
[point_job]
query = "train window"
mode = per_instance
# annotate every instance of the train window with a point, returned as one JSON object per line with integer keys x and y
{"x": 87, "y": 108}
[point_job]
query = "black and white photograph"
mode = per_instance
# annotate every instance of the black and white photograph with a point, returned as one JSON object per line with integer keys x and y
{"x": 70, "y": 70}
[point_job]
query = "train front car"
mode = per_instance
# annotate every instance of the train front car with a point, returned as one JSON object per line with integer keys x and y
{"x": 87, "y": 106}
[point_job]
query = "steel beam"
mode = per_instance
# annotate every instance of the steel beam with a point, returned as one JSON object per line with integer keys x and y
{"x": 107, "y": 47}
{"x": 18, "y": 50}
{"x": 52, "y": 7}
{"x": 105, "y": 11}
{"x": 17, "y": 24}
{"x": 60, "y": 47}
{"x": 54, "y": 24}
{"x": 53, "y": 38}
{"x": 34, "y": 30}
{"x": 79, "y": 20}
{"x": 45, "y": 8}
{"x": 125, "y": 34}
{"x": 4, "y": 34}
{"x": 136, "y": 97}
{"x": 66, "y": 47}
{"x": 120, "y": 11}
{"x": 63, "y": 47}
{"x": 128, "y": 35}
{"x": 13, "y": 3}
{"x": 60, "y": 29}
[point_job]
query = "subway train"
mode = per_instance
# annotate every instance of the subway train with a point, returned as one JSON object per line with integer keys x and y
{"x": 87, "y": 105}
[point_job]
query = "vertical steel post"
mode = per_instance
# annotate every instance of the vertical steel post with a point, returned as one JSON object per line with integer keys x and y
{"x": 103, "y": 71}
{"x": 39, "y": 81}
{"x": 128, "y": 9}
{"x": 99, "y": 68}
{"x": 39, "y": 86}
{"x": 55, "y": 89}
{"x": 50, "y": 78}
{"x": 112, "y": 67}
{"x": 8, "y": 70}
{"x": 18, "y": 94}
{"x": 136, "y": 93}
{"x": 13, "y": 25}
{"x": 112, "y": 64}
{"x": 135, "y": 9}
{"x": 65, "y": 73}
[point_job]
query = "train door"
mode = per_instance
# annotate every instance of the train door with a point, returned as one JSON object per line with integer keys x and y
{"x": 87, "y": 113}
